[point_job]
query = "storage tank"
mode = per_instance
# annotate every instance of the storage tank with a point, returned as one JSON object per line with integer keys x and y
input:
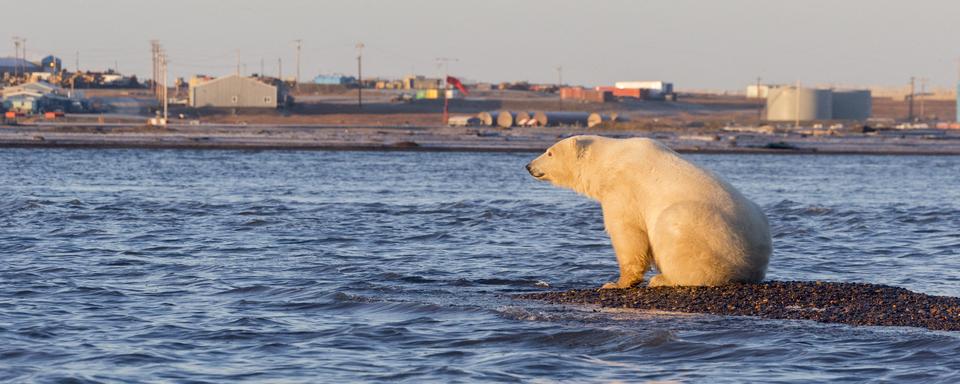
{"x": 852, "y": 105}
{"x": 804, "y": 104}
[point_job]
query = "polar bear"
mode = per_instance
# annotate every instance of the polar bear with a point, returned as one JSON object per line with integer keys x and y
{"x": 661, "y": 210}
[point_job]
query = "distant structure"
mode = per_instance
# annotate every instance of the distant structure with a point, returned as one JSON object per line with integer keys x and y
{"x": 786, "y": 104}
{"x": 761, "y": 91}
{"x": 421, "y": 82}
{"x": 11, "y": 65}
{"x": 51, "y": 64}
{"x": 581, "y": 95}
{"x": 233, "y": 91}
{"x": 39, "y": 97}
{"x": 655, "y": 88}
{"x": 852, "y": 105}
{"x": 958, "y": 101}
{"x": 334, "y": 80}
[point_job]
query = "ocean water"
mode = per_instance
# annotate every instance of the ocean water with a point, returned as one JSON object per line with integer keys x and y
{"x": 286, "y": 266}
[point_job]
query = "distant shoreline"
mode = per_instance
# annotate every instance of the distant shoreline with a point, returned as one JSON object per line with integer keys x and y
{"x": 447, "y": 139}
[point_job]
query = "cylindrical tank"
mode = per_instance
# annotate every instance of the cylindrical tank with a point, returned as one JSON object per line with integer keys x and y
{"x": 596, "y": 119}
{"x": 804, "y": 104}
{"x": 488, "y": 118}
{"x": 463, "y": 121}
{"x": 506, "y": 118}
{"x": 541, "y": 118}
{"x": 553, "y": 119}
{"x": 852, "y": 105}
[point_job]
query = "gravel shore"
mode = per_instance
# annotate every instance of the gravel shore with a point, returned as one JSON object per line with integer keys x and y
{"x": 845, "y": 303}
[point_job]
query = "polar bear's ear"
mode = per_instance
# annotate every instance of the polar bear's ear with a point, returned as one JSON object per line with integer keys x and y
{"x": 582, "y": 145}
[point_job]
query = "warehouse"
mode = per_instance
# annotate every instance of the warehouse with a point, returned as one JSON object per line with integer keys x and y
{"x": 38, "y": 97}
{"x": 334, "y": 80}
{"x": 234, "y": 92}
{"x": 16, "y": 65}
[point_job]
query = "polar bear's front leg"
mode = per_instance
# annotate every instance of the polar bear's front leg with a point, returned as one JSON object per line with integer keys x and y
{"x": 633, "y": 253}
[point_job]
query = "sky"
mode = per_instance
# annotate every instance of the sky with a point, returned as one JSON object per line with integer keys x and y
{"x": 706, "y": 44}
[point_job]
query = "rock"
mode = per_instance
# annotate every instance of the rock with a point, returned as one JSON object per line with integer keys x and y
{"x": 844, "y": 303}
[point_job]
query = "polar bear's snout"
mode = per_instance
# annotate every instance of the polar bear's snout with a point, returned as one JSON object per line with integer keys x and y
{"x": 534, "y": 172}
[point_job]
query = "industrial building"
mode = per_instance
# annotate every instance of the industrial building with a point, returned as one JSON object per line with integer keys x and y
{"x": 51, "y": 64}
{"x": 17, "y": 65}
{"x": 39, "y": 97}
{"x": 334, "y": 80}
{"x": 809, "y": 104}
{"x": 421, "y": 82}
{"x": 234, "y": 91}
{"x": 656, "y": 89}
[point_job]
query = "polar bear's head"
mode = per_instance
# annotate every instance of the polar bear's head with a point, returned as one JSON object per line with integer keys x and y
{"x": 562, "y": 163}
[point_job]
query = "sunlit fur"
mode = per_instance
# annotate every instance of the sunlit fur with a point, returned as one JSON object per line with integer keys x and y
{"x": 662, "y": 211}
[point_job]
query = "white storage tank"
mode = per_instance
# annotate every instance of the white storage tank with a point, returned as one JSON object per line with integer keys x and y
{"x": 852, "y": 105}
{"x": 804, "y": 104}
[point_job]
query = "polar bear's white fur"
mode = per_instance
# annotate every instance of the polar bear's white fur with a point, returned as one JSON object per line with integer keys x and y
{"x": 661, "y": 210}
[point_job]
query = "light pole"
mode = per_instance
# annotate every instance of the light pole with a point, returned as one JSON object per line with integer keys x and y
{"x": 299, "y": 43}
{"x": 360, "y": 75}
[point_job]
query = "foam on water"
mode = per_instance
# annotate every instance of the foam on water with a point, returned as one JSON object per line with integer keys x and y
{"x": 135, "y": 265}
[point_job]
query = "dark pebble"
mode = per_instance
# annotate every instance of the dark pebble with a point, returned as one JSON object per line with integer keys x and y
{"x": 844, "y": 303}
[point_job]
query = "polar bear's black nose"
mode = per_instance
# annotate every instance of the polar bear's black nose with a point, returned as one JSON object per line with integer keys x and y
{"x": 528, "y": 168}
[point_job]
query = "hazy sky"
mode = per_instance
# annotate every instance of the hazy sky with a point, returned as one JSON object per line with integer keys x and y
{"x": 696, "y": 44}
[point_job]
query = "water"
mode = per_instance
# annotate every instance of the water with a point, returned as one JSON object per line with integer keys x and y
{"x": 222, "y": 266}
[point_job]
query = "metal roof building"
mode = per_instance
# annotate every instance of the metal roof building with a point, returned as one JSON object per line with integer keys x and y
{"x": 234, "y": 92}
{"x": 14, "y": 65}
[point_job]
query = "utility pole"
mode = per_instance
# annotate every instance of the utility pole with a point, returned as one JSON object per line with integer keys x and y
{"x": 280, "y": 70}
{"x": 76, "y": 63}
{"x": 261, "y": 67}
{"x": 910, "y": 106}
{"x": 163, "y": 70}
{"x": 760, "y": 107}
{"x": 299, "y": 43}
{"x": 360, "y": 75}
{"x": 155, "y": 53}
{"x": 923, "y": 94}
{"x": 17, "y": 40}
{"x": 445, "y": 61}
{"x": 560, "y": 83}
{"x": 238, "y": 62}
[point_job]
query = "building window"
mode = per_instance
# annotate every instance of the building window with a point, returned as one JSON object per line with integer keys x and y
{"x": 234, "y": 99}
{"x": 267, "y": 99}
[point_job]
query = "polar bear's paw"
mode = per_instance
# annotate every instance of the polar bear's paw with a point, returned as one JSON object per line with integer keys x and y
{"x": 621, "y": 285}
{"x": 659, "y": 281}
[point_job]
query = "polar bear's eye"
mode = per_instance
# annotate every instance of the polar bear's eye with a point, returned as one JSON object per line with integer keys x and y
{"x": 549, "y": 154}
